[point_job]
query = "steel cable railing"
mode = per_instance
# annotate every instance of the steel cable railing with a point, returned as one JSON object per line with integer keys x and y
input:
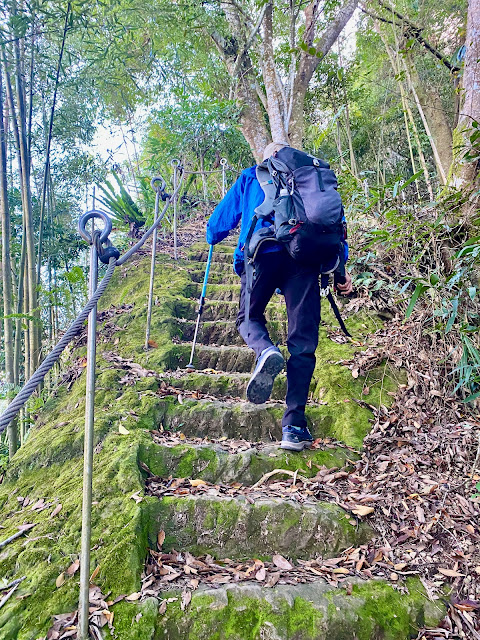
{"x": 100, "y": 248}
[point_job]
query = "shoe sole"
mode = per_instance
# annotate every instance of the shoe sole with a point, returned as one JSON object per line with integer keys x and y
{"x": 295, "y": 446}
{"x": 260, "y": 386}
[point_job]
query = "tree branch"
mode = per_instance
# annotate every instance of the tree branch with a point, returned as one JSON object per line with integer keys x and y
{"x": 249, "y": 42}
{"x": 415, "y": 31}
{"x": 274, "y": 96}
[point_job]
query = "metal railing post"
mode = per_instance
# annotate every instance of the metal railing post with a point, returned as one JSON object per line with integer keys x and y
{"x": 83, "y": 606}
{"x": 88, "y": 454}
{"x": 224, "y": 163}
{"x": 175, "y": 163}
{"x": 158, "y": 188}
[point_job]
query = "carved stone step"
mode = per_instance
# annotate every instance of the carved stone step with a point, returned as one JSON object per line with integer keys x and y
{"x": 216, "y": 277}
{"x": 231, "y": 527}
{"x": 214, "y": 462}
{"x": 243, "y": 420}
{"x": 224, "y": 310}
{"x": 215, "y": 291}
{"x": 224, "y": 385}
{"x": 374, "y": 610}
{"x": 222, "y": 332}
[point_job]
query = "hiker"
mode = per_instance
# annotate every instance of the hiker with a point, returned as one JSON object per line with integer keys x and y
{"x": 274, "y": 268}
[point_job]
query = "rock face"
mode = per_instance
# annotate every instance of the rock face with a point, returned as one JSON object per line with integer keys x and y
{"x": 158, "y": 395}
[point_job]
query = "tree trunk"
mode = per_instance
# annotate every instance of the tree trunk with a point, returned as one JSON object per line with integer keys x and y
{"x": 437, "y": 119}
{"x": 466, "y": 172}
{"x": 46, "y": 171}
{"x": 31, "y": 279}
{"x": 275, "y": 103}
{"x": 6, "y": 273}
{"x": 406, "y": 108}
{"x": 284, "y": 105}
{"x": 309, "y": 63}
{"x": 442, "y": 170}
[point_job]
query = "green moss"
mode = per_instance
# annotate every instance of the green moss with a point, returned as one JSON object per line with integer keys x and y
{"x": 317, "y": 612}
{"x": 381, "y": 610}
{"x": 234, "y": 528}
{"x": 134, "y": 621}
{"x": 49, "y": 465}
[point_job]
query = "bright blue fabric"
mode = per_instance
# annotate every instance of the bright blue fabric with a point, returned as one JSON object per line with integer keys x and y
{"x": 238, "y": 205}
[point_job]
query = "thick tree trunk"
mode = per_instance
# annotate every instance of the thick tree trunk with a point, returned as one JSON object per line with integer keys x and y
{"x": 439, "y": 124}
{"x": 284, "y": 105}
{"x": 239, "y": 65}
{"x": 464, "y": 172}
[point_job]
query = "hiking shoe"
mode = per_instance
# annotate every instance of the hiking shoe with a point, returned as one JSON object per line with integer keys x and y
{"x": 269, "y": 365}
{"x": 296, "y": 438}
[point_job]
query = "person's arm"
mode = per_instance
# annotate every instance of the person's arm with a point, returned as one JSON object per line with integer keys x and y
{"x": 227, "y": 213}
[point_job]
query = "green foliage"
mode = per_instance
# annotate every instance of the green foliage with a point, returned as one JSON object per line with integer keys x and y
{"x": 3, "y": 456}
{"x": 121, "y": 205}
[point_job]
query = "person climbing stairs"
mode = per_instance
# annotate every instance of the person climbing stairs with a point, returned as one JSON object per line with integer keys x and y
{"x": 203, "y": 528}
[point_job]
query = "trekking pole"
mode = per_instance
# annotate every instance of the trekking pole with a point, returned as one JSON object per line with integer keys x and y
{"x": 158, "y": 185}
{"x": 94, "y": 239}
{"x": 201, "y": 303}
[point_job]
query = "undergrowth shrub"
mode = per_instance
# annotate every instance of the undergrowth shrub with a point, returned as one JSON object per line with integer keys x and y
{"x": 421, "y": 260}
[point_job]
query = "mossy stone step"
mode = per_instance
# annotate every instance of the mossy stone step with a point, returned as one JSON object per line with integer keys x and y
{"x": 232, "y": 527}
{"x": 224, "y": 332}
{"x": 215, "y": 291}
{"x": 197, "y": 275}
{"x": 315, "y": 611}
{"x": 227, "y": 359}
{"x": 218, "y": 256}
{"x": 226, "y": 246}
{"x": 214, "y": 463}
{"x": 255, "y": 423}
{"x": 225, "y": 310}
{"x": 221, "y": 385}
{"x": 215, "y": 267}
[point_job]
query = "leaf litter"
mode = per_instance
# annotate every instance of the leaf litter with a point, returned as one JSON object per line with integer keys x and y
{"x": 415, "y": 483}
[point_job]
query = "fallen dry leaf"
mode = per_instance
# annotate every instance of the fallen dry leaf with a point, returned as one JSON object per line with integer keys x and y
{"x": 73, "y": 568}
{"x": 56, "y": 511}
{"x": 450, "y": 573}
{"x": 186, "y": 598}
{"x": 197, "y": 482}
{"x": 280, "y": 562}
{"x": 260, "y": 575}
{"x": 95, "y": 573}
{"x": 162, "y": 608}
{"x": 60, "y": 580}
{"x": 122, "y": 431}
{"x": 133, "y": 597}
{"x": 361, "y": 510}
{"x": 160, "y": 539}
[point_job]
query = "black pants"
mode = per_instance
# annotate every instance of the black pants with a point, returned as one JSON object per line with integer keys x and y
{"x": 299, "y": 285}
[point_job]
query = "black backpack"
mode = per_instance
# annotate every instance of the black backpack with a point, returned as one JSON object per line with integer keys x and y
{"x": 305, "y": 213}
{"x": 305, "y": 209}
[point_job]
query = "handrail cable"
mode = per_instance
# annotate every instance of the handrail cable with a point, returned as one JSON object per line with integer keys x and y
{"x": 74, "y": 329}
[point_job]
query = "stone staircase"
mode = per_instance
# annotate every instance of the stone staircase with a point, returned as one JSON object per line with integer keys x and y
{"x": 158, "y": 426}
{"x": 233, "y": 527}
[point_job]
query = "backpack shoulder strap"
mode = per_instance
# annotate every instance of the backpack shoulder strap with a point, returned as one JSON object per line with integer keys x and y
{"x": 269, "y": 189}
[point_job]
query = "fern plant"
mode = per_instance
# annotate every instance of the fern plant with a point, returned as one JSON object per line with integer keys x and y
{"x": 121, "y": 206}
